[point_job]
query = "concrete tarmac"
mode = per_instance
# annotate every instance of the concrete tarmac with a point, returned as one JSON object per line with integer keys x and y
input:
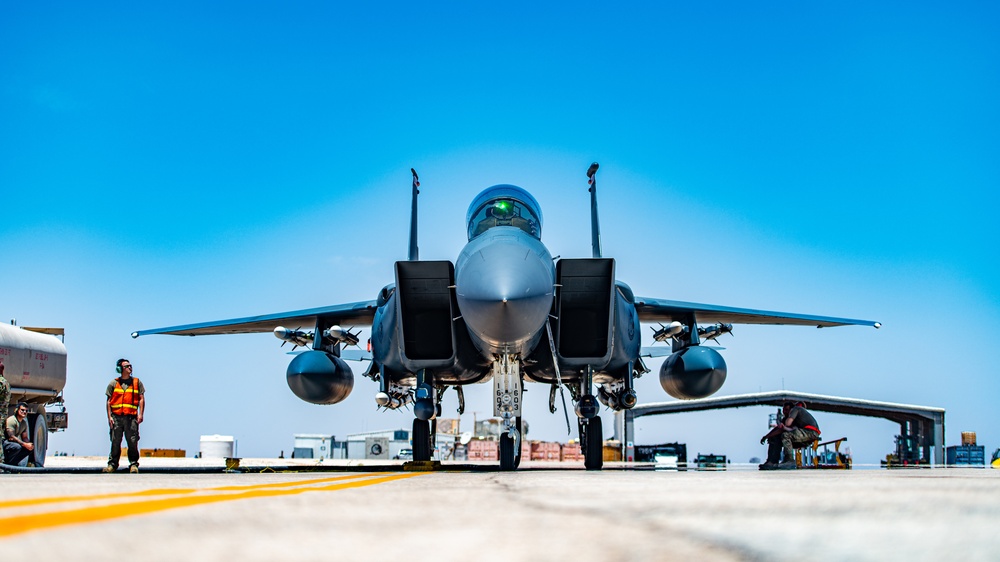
{"x": 546, "y": 512}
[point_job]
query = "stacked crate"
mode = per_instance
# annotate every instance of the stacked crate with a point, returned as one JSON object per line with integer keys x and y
{"x": 482, "y": 450}
{"x": 572, "y": 452}
{"x": 545, "y": 451}
{"x": 613, "y": 452}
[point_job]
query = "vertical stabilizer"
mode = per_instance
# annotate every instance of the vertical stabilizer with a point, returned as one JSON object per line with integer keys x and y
{"x": 414, "y": 250}
{"x": 595, "y": 224}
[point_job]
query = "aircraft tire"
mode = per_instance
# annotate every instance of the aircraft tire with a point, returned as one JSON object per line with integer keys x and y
{"x": 421, "y": 440}
{"x": 592, "y": 440}
{"x": 508, "y": 461}
{"x": 517, "y": 453}
{"x": 39, "y": 433}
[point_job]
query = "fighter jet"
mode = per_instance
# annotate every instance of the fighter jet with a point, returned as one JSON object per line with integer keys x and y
{"x": 509, "y": 312}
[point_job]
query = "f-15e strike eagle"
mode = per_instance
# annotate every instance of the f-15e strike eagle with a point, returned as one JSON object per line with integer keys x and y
{"x": 506, "y": 310}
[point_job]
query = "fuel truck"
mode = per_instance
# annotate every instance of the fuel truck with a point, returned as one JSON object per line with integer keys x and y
{"x": 35, "y": 363}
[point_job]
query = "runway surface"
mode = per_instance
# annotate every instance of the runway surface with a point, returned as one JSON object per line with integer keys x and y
{"x": 542, "y": 514}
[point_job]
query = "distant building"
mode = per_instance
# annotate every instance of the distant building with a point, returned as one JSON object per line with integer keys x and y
{"x": 319, "y": 447}
{"x": 386, "y": 444}
{"x": 394, "y": 444}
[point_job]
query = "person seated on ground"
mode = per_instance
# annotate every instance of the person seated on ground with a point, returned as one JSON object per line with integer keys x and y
{"x": 798, "y": 429}
{"x": 16, "y": 446}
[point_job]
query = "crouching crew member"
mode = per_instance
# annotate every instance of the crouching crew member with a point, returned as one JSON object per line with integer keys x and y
{"x": 799, "y": 428}
{"x": 17, "y": 447}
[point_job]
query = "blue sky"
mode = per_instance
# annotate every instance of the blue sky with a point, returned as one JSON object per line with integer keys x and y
{"x": 180, "y": 163}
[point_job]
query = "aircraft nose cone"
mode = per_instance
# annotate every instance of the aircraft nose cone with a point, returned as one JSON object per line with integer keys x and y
{"x": 504, "y": 291}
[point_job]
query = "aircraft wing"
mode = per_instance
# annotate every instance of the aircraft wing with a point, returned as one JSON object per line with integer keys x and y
{"x": 660, "y": 310}
{"x": 352, "y": 314}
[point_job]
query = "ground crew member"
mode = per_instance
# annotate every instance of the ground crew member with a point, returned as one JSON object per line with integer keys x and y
{"x": 126, "y": 403}
{"x": 798, "y": 428}
{"x": 17, "y": 447}
{"x": 4, "y": 401}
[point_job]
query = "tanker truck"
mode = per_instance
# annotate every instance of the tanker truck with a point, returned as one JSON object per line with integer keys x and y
{"x": 35, "y": 362}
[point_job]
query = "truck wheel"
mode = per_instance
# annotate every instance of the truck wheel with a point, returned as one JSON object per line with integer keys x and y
{"x": 39, "y": 432}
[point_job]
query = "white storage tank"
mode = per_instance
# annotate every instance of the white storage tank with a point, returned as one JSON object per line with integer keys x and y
{"x": 217, "y": 447}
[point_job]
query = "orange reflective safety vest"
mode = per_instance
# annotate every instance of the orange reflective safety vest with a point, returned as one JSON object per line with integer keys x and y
{"x": 125, "y": 401}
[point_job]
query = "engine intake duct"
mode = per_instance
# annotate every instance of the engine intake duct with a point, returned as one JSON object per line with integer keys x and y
{"x": 426, "y": 307}
{"x": 584, "y": 307}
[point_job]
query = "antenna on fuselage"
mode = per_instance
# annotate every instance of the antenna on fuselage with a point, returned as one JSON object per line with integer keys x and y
{"x": 595, "y": 225}
{"x": 414, "y": 251}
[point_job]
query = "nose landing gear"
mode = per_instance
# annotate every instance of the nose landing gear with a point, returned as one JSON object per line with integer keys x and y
{"x": 507, "y": 388}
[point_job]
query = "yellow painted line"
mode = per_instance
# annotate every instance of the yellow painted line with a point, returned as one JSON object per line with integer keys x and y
{"x": 19, "y": 524}
{"x": 41, "y": 501}
{"x": 291, "y": 484}
{"x": 168, "y": 492}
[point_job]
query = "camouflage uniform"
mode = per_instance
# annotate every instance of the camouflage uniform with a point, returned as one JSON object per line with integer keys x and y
{"x": 797, "y": 436}
{"x": 4, "y": 402}
{"x": 127, "y": 426}
{"x": 804, "y": 430}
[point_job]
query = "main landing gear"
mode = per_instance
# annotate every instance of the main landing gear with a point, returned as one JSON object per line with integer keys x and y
{"x": 591, "y": 430}
{"x": 426, "y": 408}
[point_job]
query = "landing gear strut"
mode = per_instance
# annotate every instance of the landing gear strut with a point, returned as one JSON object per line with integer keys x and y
{"x": 591, "y": 430}
{"x": 507, "y": 404}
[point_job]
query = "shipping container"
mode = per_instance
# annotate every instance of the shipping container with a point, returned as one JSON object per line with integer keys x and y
{"x": 170, "y": 453}
{"x": 966, "y": 455}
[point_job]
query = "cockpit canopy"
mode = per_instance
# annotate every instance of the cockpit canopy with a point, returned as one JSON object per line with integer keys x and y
{"x": 504, "y": 205}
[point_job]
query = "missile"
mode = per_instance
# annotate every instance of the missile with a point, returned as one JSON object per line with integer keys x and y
{"x": 341, "y": 335}
{"x": 670, "y": 330}
{"x": 295, "y": 337}
{"x": 391, "y": 402}
{"x": 714, "y": 331}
